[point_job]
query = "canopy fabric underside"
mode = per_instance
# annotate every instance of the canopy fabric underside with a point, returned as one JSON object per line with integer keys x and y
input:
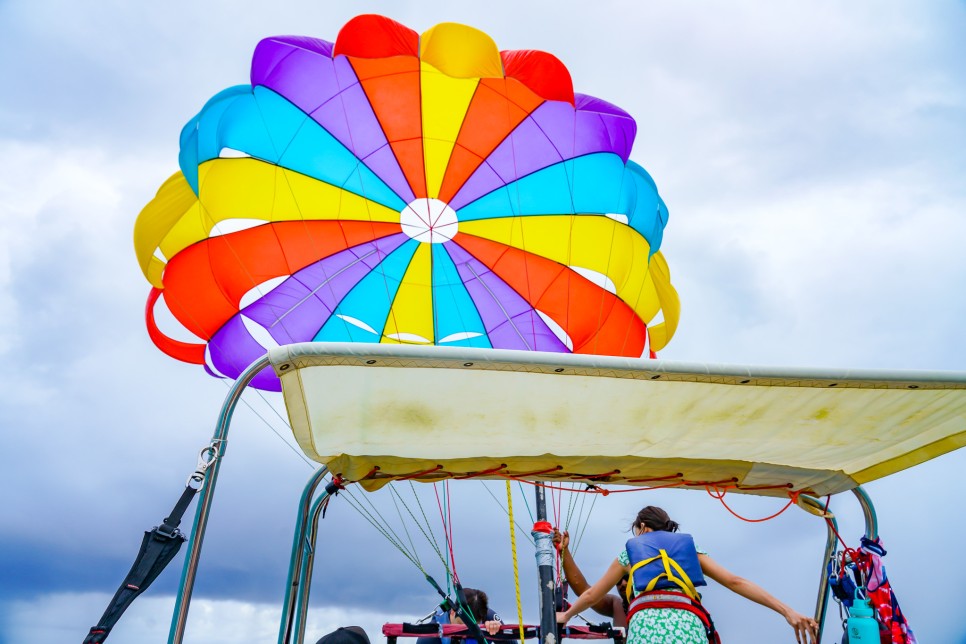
{"x": 377, "y": 412}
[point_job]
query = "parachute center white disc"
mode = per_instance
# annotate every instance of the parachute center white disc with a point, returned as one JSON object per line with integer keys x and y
{"x": 430, "y": 221}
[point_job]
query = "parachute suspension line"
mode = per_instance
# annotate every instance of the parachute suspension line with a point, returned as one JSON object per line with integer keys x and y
{"x": 429, "y": 529}
{"x": 368, "y": 516}
{"x": 452, "y": 577}
{"x": 583, "y": 528}
{"x": 525, "y": 533}
{"x": 513, "y": 549}
{"x": 525, "y": 502}
{"x": 282, "y": 418}
{"x": 572, "y": 503}
{"x": 449, "y": 534}
{"x": 395, "y": 502}
{"x": 271, "y": 427}
{"x": 579, "y": 507}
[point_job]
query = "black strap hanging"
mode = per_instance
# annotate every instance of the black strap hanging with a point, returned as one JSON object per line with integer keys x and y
{"x": 158, "y": 548}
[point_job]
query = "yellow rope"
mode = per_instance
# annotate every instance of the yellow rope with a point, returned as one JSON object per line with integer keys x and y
{"x": 513, "y": 547}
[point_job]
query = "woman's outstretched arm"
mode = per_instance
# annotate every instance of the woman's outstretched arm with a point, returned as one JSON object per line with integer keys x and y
{"x": 806, "y": 628}
{"x": 593, "y": 594}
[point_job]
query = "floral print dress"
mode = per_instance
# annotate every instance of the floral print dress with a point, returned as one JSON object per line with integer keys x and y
{"x": 664, "y": 625}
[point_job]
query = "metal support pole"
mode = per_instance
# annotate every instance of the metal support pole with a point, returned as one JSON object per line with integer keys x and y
{"x": 220, "y": 437}
{"x": 308, "y": 565}
{"x": 868, "y": 513}
{"x": 544, "y": 554}
{"x": 831, "y": 545}
{"x": 295, "y": 562}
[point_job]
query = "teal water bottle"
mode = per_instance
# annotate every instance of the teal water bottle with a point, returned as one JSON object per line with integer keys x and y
{"x": 862, "y": 626}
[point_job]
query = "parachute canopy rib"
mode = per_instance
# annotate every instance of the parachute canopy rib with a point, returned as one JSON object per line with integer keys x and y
{"x": 373, "y": 413}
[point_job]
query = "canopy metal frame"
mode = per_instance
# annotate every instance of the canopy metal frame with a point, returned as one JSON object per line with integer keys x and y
{"x": 298, "y": 585}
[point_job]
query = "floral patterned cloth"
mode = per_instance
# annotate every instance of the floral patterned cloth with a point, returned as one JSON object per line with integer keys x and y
{"x": 664, "y": 625}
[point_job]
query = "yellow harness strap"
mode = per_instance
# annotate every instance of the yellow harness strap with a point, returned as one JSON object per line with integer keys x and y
{"x": 670, "y": 567}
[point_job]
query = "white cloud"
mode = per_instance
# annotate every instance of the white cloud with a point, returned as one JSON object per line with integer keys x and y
{"x": 66, "y": 617}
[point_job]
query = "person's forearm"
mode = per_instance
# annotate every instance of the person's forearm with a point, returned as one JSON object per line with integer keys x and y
{"x": 574, "y": 577}
{"x": 754, "y": 592}
{"x": 585, "y": 601}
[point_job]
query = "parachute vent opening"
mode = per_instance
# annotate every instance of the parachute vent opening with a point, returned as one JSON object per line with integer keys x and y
{"x": 210, "y": 364}
{"x": 259, "y": 333}
{"x": 409, "y": 338}
{"x": 231, "y": 153}
{"x": 260, "y": 291}
{"x": 430, "y": 221}
{"x": 356, "y": 322}
{"x": 557, "y": 330}
{"x": 462, "y": 335}
{"x": 229, "y": 226}
{"x": 596, "y": 277}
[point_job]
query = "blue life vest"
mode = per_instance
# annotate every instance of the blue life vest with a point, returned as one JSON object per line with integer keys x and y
{"x": 664, "y": 561}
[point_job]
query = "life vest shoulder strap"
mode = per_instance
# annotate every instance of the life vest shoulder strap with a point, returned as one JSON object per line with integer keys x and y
{"x": 671, "y": 567}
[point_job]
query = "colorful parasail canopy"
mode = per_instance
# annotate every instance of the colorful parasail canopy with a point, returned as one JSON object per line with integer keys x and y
{"x": 393, "y": 187}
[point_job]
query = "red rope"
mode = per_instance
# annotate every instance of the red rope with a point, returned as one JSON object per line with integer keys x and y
{"x": 446, "y": 533}
{"x": 473, "y": 475}
{"x": 418, "y": 474}
{"x": 719, "y": 493}
{"x": 557, "y": 502}
{"x": 449, "y": 517}
{"x": 846, "y": 550}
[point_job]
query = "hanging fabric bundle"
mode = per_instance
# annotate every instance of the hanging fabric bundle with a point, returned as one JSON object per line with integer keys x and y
{"x": 869, "y": 584}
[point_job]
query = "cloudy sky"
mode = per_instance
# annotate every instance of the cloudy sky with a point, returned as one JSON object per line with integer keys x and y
{"x": 812, "y": 156}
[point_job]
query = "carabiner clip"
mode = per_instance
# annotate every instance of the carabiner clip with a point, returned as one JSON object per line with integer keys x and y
{"x": 206, "y": 457}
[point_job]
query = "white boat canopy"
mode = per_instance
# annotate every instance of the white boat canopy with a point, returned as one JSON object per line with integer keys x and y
{"x": 378, "y": 412}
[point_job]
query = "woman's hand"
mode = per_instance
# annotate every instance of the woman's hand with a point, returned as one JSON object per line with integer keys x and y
{"x": 806, "y": 628}
{"x": 492, "y": 627}
{"x": 562, "y": 618}
{"x": 561, "y": 539}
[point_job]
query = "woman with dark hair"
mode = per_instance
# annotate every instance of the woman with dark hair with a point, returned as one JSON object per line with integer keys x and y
{"x": 665, "y": 568}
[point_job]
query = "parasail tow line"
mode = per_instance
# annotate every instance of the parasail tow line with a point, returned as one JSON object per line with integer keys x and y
{"x": 158, "y": 548}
